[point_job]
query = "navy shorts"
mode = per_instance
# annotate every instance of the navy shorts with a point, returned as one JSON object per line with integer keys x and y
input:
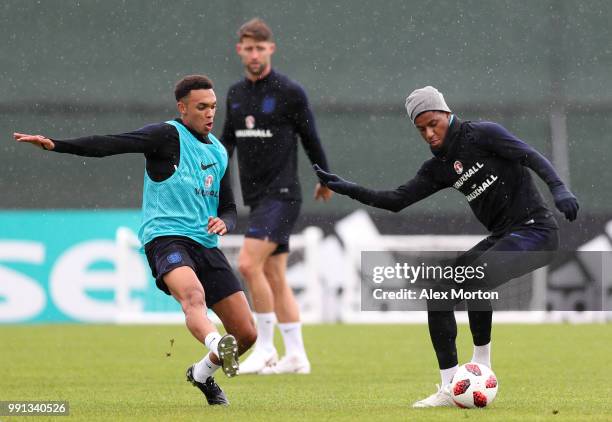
{"x": 272, "y": 220}
{"x": 166, "y": 253}
{"x": 521, "y": 250}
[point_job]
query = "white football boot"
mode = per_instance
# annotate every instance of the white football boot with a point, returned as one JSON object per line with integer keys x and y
{"x": 258, "y": 360}
{"x": 442, "y": 398}
{"x": 295, "y": 364}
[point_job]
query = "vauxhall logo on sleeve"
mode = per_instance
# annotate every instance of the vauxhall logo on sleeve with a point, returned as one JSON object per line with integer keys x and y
{"x": 479, "y": 187}
{"x": 251, "y": 131}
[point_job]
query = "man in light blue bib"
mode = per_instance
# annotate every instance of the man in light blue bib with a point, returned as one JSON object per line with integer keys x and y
{"x": 187, "y": 204}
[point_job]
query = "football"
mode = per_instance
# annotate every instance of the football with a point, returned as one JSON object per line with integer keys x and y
{"x": 474, "y": 385}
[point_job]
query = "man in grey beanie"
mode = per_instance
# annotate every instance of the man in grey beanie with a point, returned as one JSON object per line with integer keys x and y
{"x": 425, "y": 99}
{"x": 489, "y": 165}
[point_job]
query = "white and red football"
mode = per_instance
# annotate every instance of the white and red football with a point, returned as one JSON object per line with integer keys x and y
{"x": 474, "y": 385}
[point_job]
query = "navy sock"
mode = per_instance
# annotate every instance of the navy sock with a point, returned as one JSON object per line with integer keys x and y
{"x": 481, "y": 322}
{"x": 443, "y": 333}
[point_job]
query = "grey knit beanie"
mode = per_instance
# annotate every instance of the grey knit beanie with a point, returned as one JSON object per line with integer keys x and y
{"x": 425, "y": 99}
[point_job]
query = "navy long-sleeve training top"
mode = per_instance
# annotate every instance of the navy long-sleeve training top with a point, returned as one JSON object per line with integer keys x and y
{"x": 486, "y": 163}
{"x": 159, "y": 142}
{"x": 263, "y": 122}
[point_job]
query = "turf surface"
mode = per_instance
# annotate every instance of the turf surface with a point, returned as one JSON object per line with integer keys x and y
{"x": 360, "y": 372}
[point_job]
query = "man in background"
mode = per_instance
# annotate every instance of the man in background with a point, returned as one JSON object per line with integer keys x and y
{"x": 266, "y": 114}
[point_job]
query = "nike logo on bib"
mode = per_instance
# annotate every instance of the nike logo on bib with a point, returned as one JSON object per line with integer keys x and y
{"x": 207, "y": 166}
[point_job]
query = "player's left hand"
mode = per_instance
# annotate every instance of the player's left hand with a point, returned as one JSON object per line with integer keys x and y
{"x": 216, "y": 226}
{"x": 567, "y": 203}
{"x": 322, "y": 193}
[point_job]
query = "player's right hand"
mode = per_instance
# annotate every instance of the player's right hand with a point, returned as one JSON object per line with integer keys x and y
{"x": 334, "y": 182}
{"x": 37, "y": 140}
{"x": 216, "y": 226}
{"x": 567, "y": 203}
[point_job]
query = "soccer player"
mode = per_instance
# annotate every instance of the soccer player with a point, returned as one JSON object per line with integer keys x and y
{"x": 187, "y": 203}
{"x": 266, "y": 113}
{"x": 489, "y": 165}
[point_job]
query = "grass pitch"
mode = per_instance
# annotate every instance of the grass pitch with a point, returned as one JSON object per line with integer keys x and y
{"x": 360, "y": 372}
